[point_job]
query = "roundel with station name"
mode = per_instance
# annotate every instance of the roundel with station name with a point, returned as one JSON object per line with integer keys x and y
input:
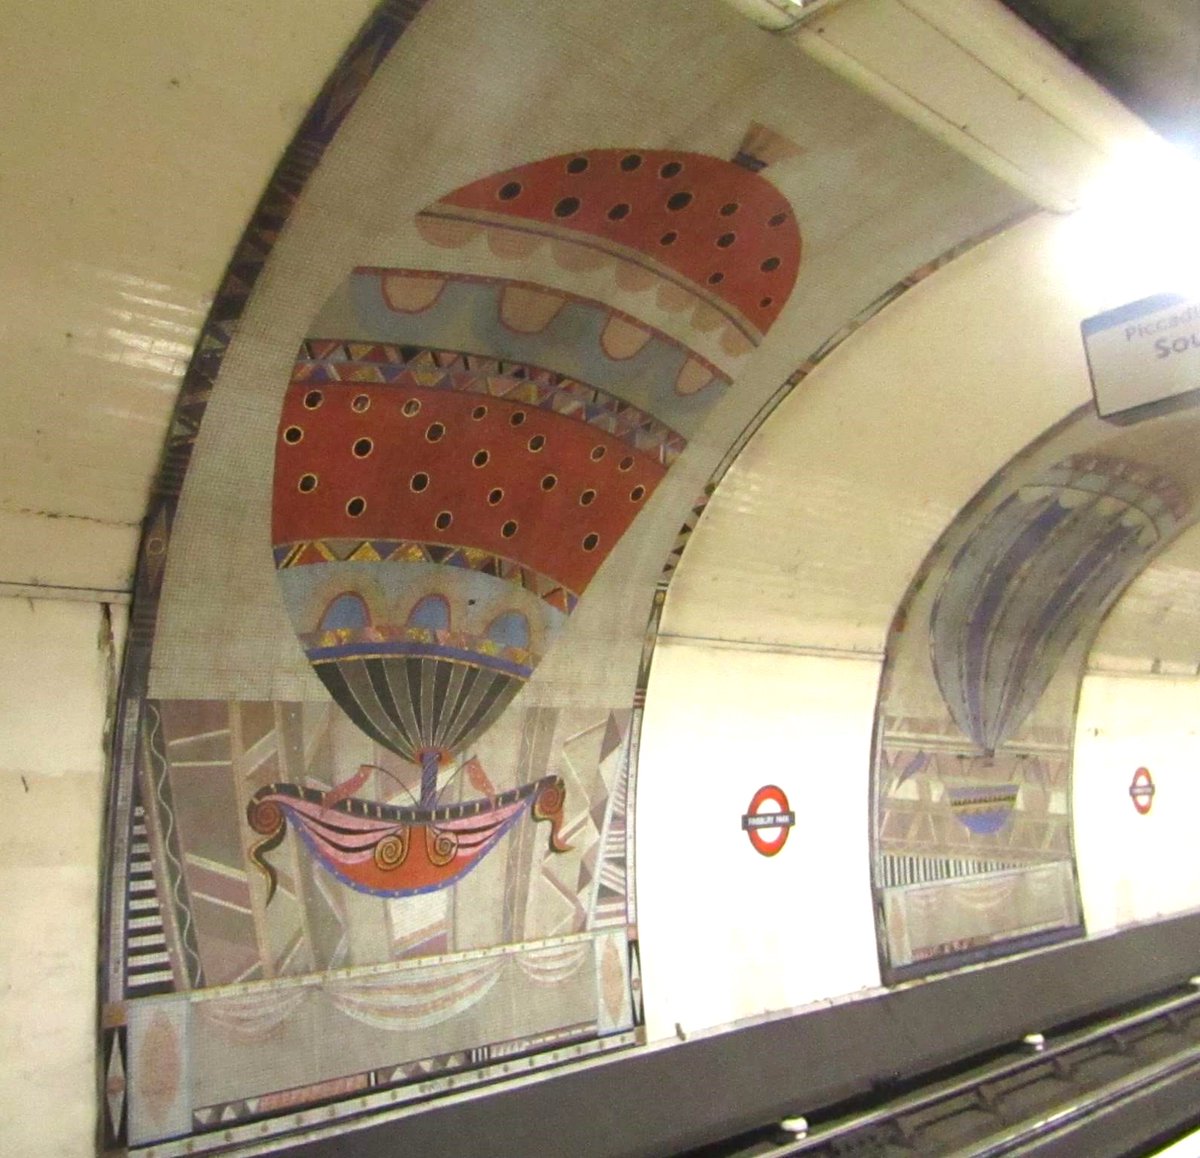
{"x": 768, "y": 820}
{"x": 1141, "y": 791}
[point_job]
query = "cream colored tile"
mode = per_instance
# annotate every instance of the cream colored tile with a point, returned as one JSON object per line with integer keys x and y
{"x": 53, "y": 673}
{"x": 145, "y": 136}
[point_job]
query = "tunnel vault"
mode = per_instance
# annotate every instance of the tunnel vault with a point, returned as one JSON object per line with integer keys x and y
{"x": 481, "y": 348}
{"x": 985, "y": 659}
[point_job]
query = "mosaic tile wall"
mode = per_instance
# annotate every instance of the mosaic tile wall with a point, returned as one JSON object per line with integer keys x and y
{"x": 370, "y": 835}
{"x": 985, "y": 658}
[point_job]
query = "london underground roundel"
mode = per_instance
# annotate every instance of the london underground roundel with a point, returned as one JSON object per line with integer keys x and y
{"x": 1141, "y": 791}
{"x": 768, "y": 820}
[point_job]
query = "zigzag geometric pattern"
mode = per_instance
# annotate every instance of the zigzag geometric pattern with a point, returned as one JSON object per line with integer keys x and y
{"x": 323, "y": 362}
{"x": 609, "y": 900}
{"x": 610, "y": 906}
{"x": 406, "y": 551}
{"x": 685, "y": 532}
{"x": 571, "y": 880}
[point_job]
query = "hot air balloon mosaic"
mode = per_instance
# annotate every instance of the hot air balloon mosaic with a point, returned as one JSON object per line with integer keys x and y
{"x": 1079, "y": 531}
{"x": 458, "y": 453}
{"x": 978, "y": 701}
{"x": 1043, "y": 566}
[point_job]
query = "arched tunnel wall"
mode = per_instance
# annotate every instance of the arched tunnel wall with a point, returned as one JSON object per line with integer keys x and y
{"x": 266, "y": 960}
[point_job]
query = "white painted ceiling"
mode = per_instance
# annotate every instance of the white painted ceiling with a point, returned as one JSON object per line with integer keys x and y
{"x": 137, "y": 140}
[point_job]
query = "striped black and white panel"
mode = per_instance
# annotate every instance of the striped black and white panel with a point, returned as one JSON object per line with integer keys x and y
{"x": 897, "y": 871}
{"x": 147, "y": 962}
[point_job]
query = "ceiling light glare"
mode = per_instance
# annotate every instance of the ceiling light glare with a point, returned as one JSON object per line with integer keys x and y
{"x": 779, "y": 15}
{"x": 1137, "y": 231}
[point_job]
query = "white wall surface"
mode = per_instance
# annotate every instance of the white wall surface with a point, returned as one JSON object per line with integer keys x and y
{"x": 728, "y": 934}
{"x": 1135, "y": 868}
{"x": 56, "y": 667}
{"x": 1132, "y": 867}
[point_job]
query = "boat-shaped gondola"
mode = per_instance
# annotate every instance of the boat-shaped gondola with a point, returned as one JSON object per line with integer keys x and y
{"x": 391, "y": 850}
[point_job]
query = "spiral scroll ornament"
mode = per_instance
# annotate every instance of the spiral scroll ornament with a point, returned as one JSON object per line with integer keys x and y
{"x": 266, "y": 818}
{"x": 549, "y": 806}
{"x": 441, "y": 846}
{"x": 392, "y": 851}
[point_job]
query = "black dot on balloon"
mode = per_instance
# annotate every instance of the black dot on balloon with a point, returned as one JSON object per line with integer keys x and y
{"x": 591, "y": 541}
{"x": 509, "y": 529}
{"x": 293, "y": 434}
{"x": 313, "y": 399}
{"x": 772, "y": 263}
{"x": 679, "y": 201}
{"x": 671, "y": 169}
{"x": 494, "y": 496}
{"x": 419, "y": 481}
{"x": 567, "y": 207}
{"x": 630, "y": 162}
{"x": 481, "y": 458}
{"x": 509, "y": 190}
{"x": 362, "y": 447}
{"x": 726, "y": 240}
{"x": 618, "y": 212}
{"x": 443, "y": 520}
{"x": 356, "y": 506}
{"x": 577, "y": 165}
{"x": 308, "y": 482}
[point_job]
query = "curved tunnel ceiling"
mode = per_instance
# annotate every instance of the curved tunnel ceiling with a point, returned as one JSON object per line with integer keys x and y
{"x": 420, "y": 272}
{"x": 1155, "y": 628}
{"x": 879, "y": 426}
{"x": 143, "y": 153}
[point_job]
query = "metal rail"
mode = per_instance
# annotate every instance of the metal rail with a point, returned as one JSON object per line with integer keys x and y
{"x": 1056, "y": 1055}
{"x": 1105, "y": 1098}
